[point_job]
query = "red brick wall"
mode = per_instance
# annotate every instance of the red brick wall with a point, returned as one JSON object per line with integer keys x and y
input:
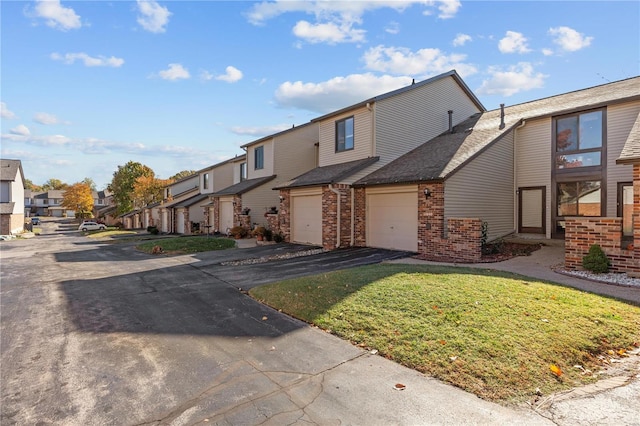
{"x": 273, "y": 222}
{"x": 636, "y": 212}
{"x": 462, "y": 241}
{"x": 330, "y": 221}
{"x": 216, "y": 215}
{"x": 9, "y": 222}
{"x": 582, "y": 232}
{"x": 284, "y": 214}
{"x": 360, "y": 218}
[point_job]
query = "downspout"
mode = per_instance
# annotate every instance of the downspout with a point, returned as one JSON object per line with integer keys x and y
{"x": 353, "y": 216}
{"x": 373, "y": 130}
{"x": 515, "y": 176}
{"x": 335, "y": 191}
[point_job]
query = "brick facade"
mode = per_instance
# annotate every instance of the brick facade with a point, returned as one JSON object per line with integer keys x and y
{"x": 360, "y": 218}
{"x": 461, "y": 241}
{"x": 582, "y": 232}
{"x": 330, "y": 220}
{"x": 273, "y": 222}
{"x": 9, "y": 223}
{"x": 284, "y": 214}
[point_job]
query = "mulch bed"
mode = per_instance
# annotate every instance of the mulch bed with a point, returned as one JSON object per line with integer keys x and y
{"x": 493, "y": 252}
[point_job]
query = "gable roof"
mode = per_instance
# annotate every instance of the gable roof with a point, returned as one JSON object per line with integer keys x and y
{"x": 230, "y": 160}
{"x": 244, "y": 186}
{"x": 329, "y": 174}
{"x": 275, "y": 135}
{"x": 9, "y": 170}
{"x": 436, "y": 160}
{"x": 631, "y": 150}
{"x": 453, "y": 74}
{"x": 191, "y": 201}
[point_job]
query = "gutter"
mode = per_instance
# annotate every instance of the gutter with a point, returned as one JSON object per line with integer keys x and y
{"x": 335, "y": 191}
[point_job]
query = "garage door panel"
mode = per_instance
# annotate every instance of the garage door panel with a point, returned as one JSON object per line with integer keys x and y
{"x": 306, "y": 220}
{"x": 226, "y": 215}
{"x": 392, "y": 221}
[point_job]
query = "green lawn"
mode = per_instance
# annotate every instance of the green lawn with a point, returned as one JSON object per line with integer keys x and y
{"x": 492, "y": 333}
{"x": 184, "y": 245}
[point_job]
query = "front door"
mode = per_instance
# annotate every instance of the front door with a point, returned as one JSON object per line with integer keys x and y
{"x": 531, "y": 210}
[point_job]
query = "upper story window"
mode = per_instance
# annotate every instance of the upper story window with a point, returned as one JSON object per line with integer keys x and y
{"x": 344, "y": 134}
{"x": 258, "y": 158}
{"x": 205, "y": 181}
{"x": 5, "y": 192}
{"x": 579, "y": 139}
{"x": 243, "y": 171}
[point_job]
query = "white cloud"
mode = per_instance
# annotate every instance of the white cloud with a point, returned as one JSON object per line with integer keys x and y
{"x": 569, "y": 39}
{"x": 153, "y": 17}
{"x": 517, "y": 78}
{"x": 461, "y": 39}
{"x": 89, "y": 61}
{"x": 175, "y": 72}
{"x": 232, "y": 75}
{"x": 513, "y": 42}
{"x": 330, "y": 32}
{"x": 336, "y": 93}
{"x": 56, "y": 16}
{"x": 335, "y": 21}
{"x": 402, "y": 61}
{"x": 21, "y": 130}
{"x": 259, "y": 131}
{"x": 547, "y": 52}
{"x": 6, "y": 113}
{"x": 392, "y": 28}
{"x": 44, "y": 118}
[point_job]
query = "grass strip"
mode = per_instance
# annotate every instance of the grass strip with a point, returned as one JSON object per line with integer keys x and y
{"x": 499, "y": 335}
{"x": 185, "y": 245}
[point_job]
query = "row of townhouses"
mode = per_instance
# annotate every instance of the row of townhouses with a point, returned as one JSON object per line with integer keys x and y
{"x": 425, "y": 168}
{"x": 49, "y": 203}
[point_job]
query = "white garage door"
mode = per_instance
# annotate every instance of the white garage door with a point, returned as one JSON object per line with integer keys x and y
{"x": 180, "y": 222}
{"x": 306, "y": 219}
{"x": 226, "y": 215}
{"x": 392, "y": 221}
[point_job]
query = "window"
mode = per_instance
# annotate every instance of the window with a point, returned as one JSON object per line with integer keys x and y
{"x": 205, "y": 181}
{"x": 5, "y": 192}
{"x": 258, "y": 159}
{"x": 579, "y": 140}
{"x": 579, "y": 169}
{"x": 243, "y": 171}
{"x": 344, "y": 134}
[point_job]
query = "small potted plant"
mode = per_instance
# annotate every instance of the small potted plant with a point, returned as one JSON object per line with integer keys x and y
{"x": 259, "y": 232}
{"x": 246, "y": 210}
{"x": 238, "y": 232}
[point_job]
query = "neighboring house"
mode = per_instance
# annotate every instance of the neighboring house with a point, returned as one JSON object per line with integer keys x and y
{"x": 12, "y": 196}
{"x": 270, "y": 161}
{"x": 174, "y": 193}
{"x": 525, "y": 169}
{"x": 318, "y": 206}
{"x": 49, "y": 203}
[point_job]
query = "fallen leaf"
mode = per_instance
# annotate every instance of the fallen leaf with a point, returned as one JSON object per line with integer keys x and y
{"x": 399, "y": 386}
{"x": 442, "y": 342}
{"x": 264, "y": 318}
{"x": 544, "y": 320}
{"x": 610, "y": 352}
{"x": 453, "y": 358}
{"x": 622, "y": 352}
{"x": 555, "y": 370}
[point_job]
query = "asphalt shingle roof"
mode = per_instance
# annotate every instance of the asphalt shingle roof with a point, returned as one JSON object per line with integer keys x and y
{"x": 631, "y": 151}
{"x": 443, "y": 155}
{"x": 191, "y": 201}
{"x": 244, "y": 186}
{"x": 329, "y": 174}
{"x": 9, "y": 169}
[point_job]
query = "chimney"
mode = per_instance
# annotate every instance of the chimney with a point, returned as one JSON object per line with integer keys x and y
{"x": 501, "y": 116}
{"x": 450, "y": 120}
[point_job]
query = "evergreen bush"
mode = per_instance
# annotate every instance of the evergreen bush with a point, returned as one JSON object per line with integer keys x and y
{"x": 596, "y": 260}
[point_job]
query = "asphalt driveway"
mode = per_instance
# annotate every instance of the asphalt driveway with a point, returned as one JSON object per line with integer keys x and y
{"x": 95, "y": 334}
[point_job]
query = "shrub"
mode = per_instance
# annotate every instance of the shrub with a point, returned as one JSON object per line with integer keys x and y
{"x": 259, "y": 231}
{"x": 238, "y": 232}
{"x": 596, "y": 260}
{"x": 278, "y": 238}
{"x": 268, "y": 234}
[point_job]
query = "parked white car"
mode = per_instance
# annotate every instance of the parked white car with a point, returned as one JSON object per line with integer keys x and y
{"x": 91, "y": 226}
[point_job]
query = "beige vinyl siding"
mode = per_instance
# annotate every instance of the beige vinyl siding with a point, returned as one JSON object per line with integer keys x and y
{"x": 267, "y": 170}
{"x": 236, "y": 171}
{"x": 196, "y": 213}
{"x": 406, "y": 121}
{"x": 294, "y": 153}
{"x": 483, "y": 189}
{"x": 620, "y": 120}
{"x": 185, "y": 185}
{"x": 533, "y": 159}
{"x": 259, "y": 200}
{"x": 223, "y": 176}
{"x": 362, "y": 139}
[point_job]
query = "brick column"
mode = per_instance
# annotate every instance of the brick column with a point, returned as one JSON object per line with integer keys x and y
{"x": 187, "y": 222}
{"x": 285, "y": 214}
{"x": 360, "y": 217}
{"x": 330, "y": 202}
{"x": 237, "y": 210}
{"x": 216, "y": 215}
{"x": 273, "y": 222}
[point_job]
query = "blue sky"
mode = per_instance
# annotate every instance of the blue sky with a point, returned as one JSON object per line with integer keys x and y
{"x": 90, "y": 85}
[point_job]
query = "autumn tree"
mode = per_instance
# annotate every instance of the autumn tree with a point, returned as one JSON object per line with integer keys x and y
{"x": 182, "y": 174}
{"x": 28, "y": 184}
{"x": 54, "y": 184}
{"x": 148, "y": 189}
{"x": 122, "y": 184}
{"x": 90, "y": 183}
{"x": 78, "y": 198}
